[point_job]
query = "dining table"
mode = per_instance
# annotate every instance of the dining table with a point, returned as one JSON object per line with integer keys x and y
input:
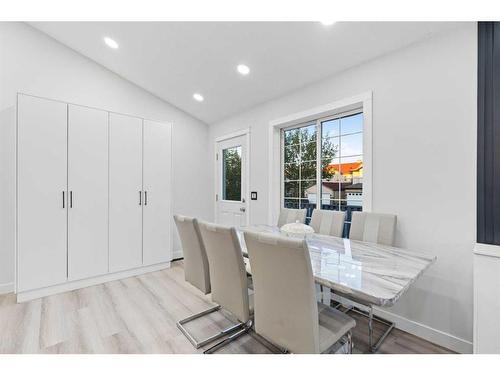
{"x": 367, "y": 274}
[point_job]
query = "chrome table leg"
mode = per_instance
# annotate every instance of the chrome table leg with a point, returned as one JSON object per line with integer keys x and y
{"x": 374, "y": 347}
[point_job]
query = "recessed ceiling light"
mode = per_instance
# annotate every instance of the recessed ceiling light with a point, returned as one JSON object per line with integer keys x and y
{"x": 111, "y": 43}
{"x": 198, "y": 97}
{"x": 243, "y": 69}
{"x": 327, "y": 23}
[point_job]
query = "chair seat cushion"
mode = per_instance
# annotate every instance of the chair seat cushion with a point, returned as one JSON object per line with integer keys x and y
{"x": 333, "y": 324}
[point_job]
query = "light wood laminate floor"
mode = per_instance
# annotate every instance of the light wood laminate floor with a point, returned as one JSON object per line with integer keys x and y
{"x": 139, "y": 315}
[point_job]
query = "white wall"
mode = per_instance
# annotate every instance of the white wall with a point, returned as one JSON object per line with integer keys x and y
{"x": 424, "y": 149}
{"x": 33, "y": 63}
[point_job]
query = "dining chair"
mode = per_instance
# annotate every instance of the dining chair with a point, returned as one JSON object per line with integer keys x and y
{"x": 328, "y": 222}
{"x": 291, "y": 215}
{"x": 286, "y": 312}
{"x": 373, "y": 227}
{"x": 195, "y": 257}
{"x": 228, "y": 278}
{"x": 196, "y": 272}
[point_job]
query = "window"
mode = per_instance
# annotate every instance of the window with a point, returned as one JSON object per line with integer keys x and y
{"x": 323, "y": 165}
{"x": 299, "y": 166}
{"x": 231, "y": 174}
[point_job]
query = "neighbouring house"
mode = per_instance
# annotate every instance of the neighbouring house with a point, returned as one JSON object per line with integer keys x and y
{"x": 345, "y": 186}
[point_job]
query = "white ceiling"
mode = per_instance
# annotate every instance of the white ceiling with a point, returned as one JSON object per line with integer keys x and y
{"x": 173, "y": 60}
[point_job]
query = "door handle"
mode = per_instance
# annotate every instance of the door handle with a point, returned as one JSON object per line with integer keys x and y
{"x": 242, "y": 209}
{"x": 63, "y": 198}
{"x": 71, "y": 199}
{"x": 145, "y": 198}
{"x": 140, "y": 198}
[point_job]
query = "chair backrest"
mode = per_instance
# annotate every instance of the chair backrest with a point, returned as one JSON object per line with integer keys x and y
{"x": 328, "y": 222}
{"x": 373, "y": 227}
{"x": 285, "y": 307}
{"x": 291, "y": 215}
{"x": 227, "y": 269}
{"x": 196, "y": 269}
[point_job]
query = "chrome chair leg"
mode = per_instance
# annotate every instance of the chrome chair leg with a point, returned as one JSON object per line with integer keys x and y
{"x": 275, "y": 349}
{"x": 370, "y": 327}
{"x": 349, "y": 343}
{"x": 234, "y": 336}
{"x": 198, "y": 344}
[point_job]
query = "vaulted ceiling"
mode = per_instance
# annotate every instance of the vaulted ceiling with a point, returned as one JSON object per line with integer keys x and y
{"x": 174, "y": 60}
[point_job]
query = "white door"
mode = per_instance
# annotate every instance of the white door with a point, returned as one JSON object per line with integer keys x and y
{"x": 125, "y": 192}
{"x": 232, "y": 202}
{"x": 42, "y": 192}
{"x": 88, "y": 192}
{"x": 157, "y": 219}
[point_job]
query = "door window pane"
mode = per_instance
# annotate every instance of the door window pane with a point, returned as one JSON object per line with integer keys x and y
{"x": 231, "y": 174}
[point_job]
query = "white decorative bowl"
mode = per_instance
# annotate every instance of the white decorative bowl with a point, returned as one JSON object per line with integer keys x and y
{"x": 297, "y": 230}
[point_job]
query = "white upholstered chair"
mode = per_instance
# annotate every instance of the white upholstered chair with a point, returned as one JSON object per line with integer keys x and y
{"x": 373, "y": 227}
{"x": 196, "y": 270}
{"x": 328, "y": 222}
{"x": 291, "y": 215}
{"x": 286, "y": 312}
{"x": 331, "y": 223}
{"x": 228, "y": 277}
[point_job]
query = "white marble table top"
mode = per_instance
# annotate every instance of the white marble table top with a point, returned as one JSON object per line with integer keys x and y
{"x": 365, "y": 272}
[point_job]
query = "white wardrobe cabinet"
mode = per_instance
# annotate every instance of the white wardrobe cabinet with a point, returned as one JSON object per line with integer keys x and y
{"x": 87, "y": 192}
{"x": 93, "y": 196}
{"x": 125, "y": 192}
{"x": 41, "y": 192}
{"x": 156, "y": 186}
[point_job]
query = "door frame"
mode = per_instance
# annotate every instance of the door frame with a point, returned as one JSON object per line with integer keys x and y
{"x": 243, "y": 132}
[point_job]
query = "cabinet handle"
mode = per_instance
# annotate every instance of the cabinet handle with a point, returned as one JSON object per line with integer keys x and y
{"x": 71, "y": 199}
{"x": 63, "y": 198}
{"x": 145, "y": 198}
{"x": 140, "y": 198}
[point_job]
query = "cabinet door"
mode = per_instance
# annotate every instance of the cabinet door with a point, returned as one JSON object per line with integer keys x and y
{"x": 125, "y": 192}
{"x": 42, "y": 192}
{"x": 157, "y": 188}
{"x": 88, "y": 192}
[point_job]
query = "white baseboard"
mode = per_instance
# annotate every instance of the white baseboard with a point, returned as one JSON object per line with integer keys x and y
{"x": 427, "y": 333}
{"x": 78, "y": 284}
{"x": 423, "y": 331}
{"x": 6, "y": 288}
